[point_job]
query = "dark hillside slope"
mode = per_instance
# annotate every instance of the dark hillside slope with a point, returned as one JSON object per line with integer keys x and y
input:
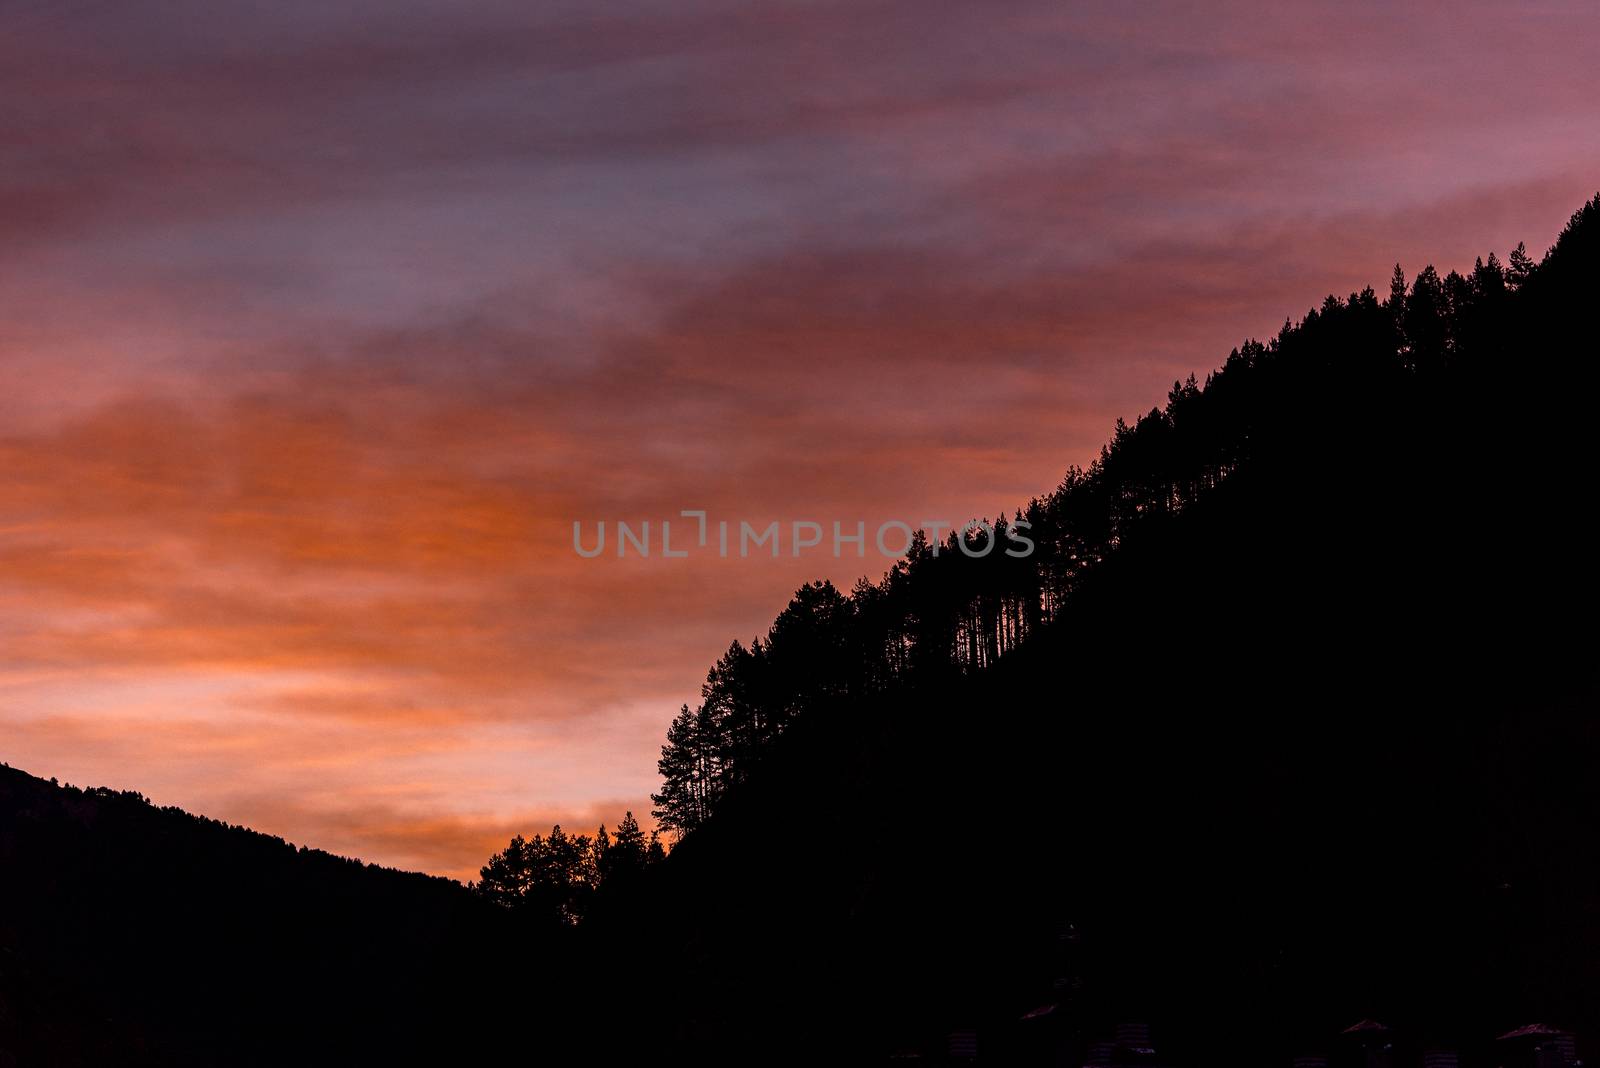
{"x": 1321, "y": 746}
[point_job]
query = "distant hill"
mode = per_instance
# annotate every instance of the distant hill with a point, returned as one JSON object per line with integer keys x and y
{"x": 131, "y": 934}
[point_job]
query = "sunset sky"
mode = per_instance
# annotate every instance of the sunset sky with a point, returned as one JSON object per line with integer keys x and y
{"x": 320, "y": 324}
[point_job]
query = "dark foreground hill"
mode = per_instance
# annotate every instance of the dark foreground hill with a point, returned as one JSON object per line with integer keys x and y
{"x": 1300, "y": 762}
{"x": 1316, "y": 743}
{"x": 1307, "y": 735}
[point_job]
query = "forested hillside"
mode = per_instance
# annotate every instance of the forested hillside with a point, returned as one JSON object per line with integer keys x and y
{"x": 1291, "y": 715}
{"x": 1357, "y": 379}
